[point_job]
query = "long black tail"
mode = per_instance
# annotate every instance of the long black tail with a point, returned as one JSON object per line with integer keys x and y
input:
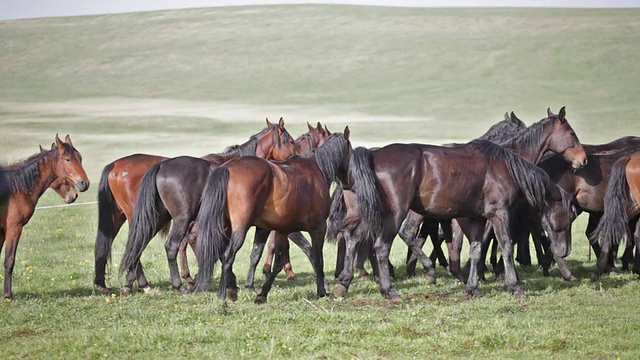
{"x": 614, "y": 224}
{"x": 211, "y": 221}
{"x": 145, "y": 221}
{"x": 337, "y": 214}
{"x": 363, "y": 177}
{"x": 106, "y": 228}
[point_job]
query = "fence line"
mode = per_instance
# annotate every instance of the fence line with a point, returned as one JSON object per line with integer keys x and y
{"x": 65, "y": 205}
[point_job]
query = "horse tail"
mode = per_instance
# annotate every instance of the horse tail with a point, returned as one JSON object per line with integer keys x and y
{"x": 144, "y": 223}
{"x": 211, "y": 225}
{"x": 106, "y": 229}
{"x": 336, "y": 214}
{"x": 363, "y": 177}
{"x": 614, "y": 224}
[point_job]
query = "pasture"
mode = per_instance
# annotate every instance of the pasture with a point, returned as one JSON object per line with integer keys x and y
{"x": 195, "y": 81}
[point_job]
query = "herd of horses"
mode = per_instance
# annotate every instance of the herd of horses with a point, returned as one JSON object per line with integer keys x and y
{"x": 514, "y": 183}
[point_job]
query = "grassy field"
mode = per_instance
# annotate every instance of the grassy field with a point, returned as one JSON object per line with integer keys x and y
{"x": 195, "y": 81}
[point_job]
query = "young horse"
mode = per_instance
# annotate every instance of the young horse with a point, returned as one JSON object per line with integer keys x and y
{"x": 285, "y": 196}
{"x": 479, "y": 180}
{"x": 27, "y": 182}
{"x": 621, "y": 203}
{"x": 118, "y": 191}
{"x": 171, "y": 190}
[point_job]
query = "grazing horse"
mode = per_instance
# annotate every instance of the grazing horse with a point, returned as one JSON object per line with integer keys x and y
{"x": 118, "y": 191}
{"x": 285, "y": 196}
{"x": 621, "y": 203}
{"x": 479, "y": 180}
{"x": 171, "y": 190}
{"x": 27, "y": 181}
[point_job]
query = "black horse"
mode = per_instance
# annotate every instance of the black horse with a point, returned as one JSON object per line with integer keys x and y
{"x": 478, "y": 180}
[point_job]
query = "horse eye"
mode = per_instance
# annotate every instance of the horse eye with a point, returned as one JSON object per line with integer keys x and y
{"x": 68, "y": 160}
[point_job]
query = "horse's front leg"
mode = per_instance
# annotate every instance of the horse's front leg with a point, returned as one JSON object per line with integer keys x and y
{"x": 280, "y": 238}
{"x": 10, "y": 239}
{"x": 500, "y": 222}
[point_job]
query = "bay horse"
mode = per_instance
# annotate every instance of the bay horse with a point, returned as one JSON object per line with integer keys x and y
{"x": 553, "y": 134}
{"x": 171, "y": 190}
{"x": 120, "y": 182}
{"x": 479, "y": 180}
{"x": 297, "y": 238}
{"x": 621, "y": 203}
{"x": 285, "y": 196}
{"x": 27, "y": 181}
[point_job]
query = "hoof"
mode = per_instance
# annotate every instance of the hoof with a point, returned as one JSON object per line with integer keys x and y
{"x": 394, "y": 297}
{"x": 125, "y": 291}
{"x": 571, "y": 278}
{"x": 183, "y": 290}
{"x": 232, "y": 294}
{"x": 191, "y": 287}
{"x": 475, "y": 293}
{"x": 363, "y": 273}
{"x": 339, "y": 290}
{"x": 8, "y": 297}
{"x": 291, "y": 276}
{"x": 260, "y": 299}
{"x": 104, "y": 291}
{"x": 147, "y": 289}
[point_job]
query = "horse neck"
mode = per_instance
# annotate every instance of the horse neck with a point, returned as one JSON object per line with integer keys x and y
{"x": 530, "y": 145}
{"x": 46, "y": 164}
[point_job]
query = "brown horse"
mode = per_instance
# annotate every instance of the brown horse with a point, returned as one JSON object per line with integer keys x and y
{"x": 320, "y": 136}
{"x": 120, "y": 182}
{"x": 621, "y": 203}
{"x": 171, "y": 190}
{"x": 27, "y": 182}
{"x": 285, "y": 196}
{"x": 478, "y": 180}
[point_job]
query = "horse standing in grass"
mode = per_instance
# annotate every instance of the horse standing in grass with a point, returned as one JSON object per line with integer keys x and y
{"x": 171, "y": 190}
{"x": 285, "y": 196}
{"x": 27, "y": 181}
{"x": 478, "y": 180}
{"x": 120, "y": 182}
{"x": 621, "y": 203}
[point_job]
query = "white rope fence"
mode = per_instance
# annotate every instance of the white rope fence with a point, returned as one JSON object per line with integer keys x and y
{"x": 65, "y": 205}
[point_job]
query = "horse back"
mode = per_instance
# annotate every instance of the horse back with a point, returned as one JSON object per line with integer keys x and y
{"x": 633, "y": 177}
{"x": 180, "y": 182}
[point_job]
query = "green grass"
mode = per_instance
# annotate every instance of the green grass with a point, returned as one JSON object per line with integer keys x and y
{"x": 195, "y": 81}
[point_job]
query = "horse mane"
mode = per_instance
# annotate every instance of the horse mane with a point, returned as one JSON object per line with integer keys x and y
{"x": 247, "y": 148}
{"x": 24, "y": 175}
{"x": 329, "y": 156}
{"x": 530, "y": 136}
{"x": 504, "y": 130}
{"x": 532, "y": 180}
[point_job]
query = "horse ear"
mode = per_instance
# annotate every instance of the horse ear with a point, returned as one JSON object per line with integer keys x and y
{"x": 53, "y": 146}
{"x": 347, "y": 132}
{"x": 310, "y": 127}
{"x": 269, "y": 122}
{"x": 281, "y": 123}
{"x": 549, "y": 112}
{"x": 326, "y": 129}
{"x": 41, "y": 149}
{"x": 561, "y": 114}
{"x": 59, "y": 143}
{"x": 506, "y": 116}
{"x": 514, "y": 117}
{"x": 67, "y": 139}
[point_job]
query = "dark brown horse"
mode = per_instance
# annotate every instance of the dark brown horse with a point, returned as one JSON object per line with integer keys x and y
{"x": 171, "y": 190}
{"x": 621, "y": 203}
{"x": 27, "y": 182}
{"x": 118, "y": 191}
{"x": 285, "y": 196}
{"x": 478, "y": 180}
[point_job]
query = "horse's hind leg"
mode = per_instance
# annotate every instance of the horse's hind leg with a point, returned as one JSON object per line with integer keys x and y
{"x": 317, "y": 244}
{"x": 106, "y": 234}
{"x": 228, "y": 287}
{"x": 259, "y": 240}
{"x": 280, "y": 239}
{"x": 189, "y": 239}
{"x": 304, "y": 245}
{"x": 346, "y": 275}
{"x": 271, "y": 248}
{"x": 172, "y": 245}
{"x": 409, "y": 233}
